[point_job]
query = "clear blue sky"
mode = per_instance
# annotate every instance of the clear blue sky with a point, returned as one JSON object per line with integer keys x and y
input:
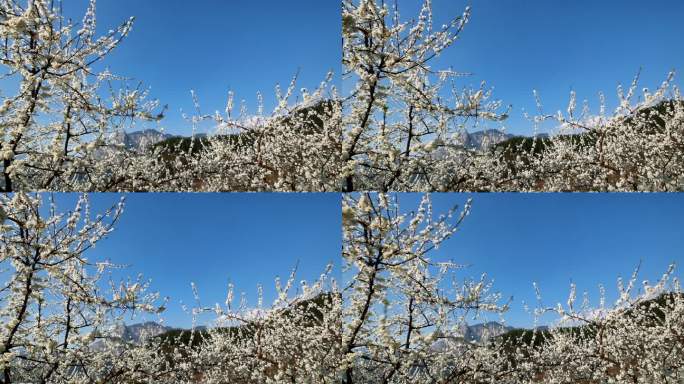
{"x": 556, "y": 239}
{"x": 213, "y": 46}
{"x": 552, "y": 46}
{"x": 210, "y": 239}
{"x": 559, "y": 46}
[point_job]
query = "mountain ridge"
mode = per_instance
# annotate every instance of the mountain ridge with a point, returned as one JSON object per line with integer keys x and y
{"x": 148, "y": 137}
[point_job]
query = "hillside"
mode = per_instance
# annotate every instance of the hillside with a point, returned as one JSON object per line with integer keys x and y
{"x": 542, "y": 336}
{"x": 514, "y": 145}
{"x": 198, "y": 336}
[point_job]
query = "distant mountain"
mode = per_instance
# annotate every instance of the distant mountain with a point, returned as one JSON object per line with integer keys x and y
{"x": 136, "y": 333}
{"x": 141, "y": 139}
{"x": 476, "y": 334}
{"x": 479, "y": 333}
{"x": 484, "y": 139}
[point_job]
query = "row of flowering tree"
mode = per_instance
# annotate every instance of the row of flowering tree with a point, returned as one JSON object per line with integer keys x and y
{"x": 404, "y": 121}
{"x": 60, "y": 117}
{"x": 397, "y": 315}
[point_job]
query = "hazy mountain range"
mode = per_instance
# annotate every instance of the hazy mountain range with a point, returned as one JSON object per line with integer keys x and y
{"x": 135, "y": 333}
{"x": 472, "y": 140}
{"x": 478, "y": 333}
{"x": 141, "y": 139}
{"x": 483, "y": 139}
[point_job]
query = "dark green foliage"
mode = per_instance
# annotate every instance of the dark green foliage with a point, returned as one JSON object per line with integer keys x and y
{"x": 522, "y": 145}
{"x": 184, "y": 337}
{"x": 654, "y": 115}
{"x": 536, "y": 146}
{"x": 179, "y": 144}
{"x": 526, "y": 337}
{"x": 656, "y": 308}
{"x": 539, "y": 338}
{"x": 313, "y": 307}
{"x": 196, "y": 146}
{"x": 312, "y": 117}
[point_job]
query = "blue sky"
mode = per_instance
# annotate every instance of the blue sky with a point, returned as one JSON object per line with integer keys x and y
{"x": 556, "y": 239}
{"x": 210, "y": 239}
{"x": 559, "y": 46}
{"x": 552, "y": 46}
{"x": 213, "y": 46}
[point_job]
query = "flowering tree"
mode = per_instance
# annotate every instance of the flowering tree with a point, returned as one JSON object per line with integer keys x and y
{"x": 56, "y": 128}
{"x": 636, "y": 340}
{"x": 403, "y": 127}
{"x": 54, "y": 311}
{"x": 296, "y": 340}
{"x": 295, "y": 148}
{"x": 59, "y": 129}
{"x": 404, "y": 313}
{"x": 404, "y": 121}
{"x": 636, "y": 148}
{"x": 58, "y": 318}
